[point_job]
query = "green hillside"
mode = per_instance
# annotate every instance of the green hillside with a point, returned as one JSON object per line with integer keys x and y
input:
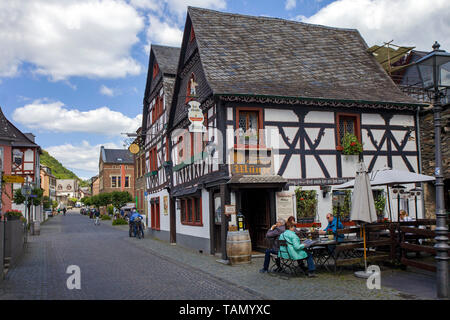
{"x": 58, "y": 170}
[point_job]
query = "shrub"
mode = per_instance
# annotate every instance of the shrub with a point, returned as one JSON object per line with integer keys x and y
{"x": 119, "y": 221}
{"x": 306, "y": 203}
{"x": 14, "y": 213}
{"x": 110, "y": 210}
{"x": 106, "y": 217}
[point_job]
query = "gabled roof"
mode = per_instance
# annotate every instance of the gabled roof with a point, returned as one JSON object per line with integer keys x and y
{"x": 247, "y": 55}
{"x": 9, "y": 132}
{"x": 116, "y": 156}
{"x": 167, "y": 58}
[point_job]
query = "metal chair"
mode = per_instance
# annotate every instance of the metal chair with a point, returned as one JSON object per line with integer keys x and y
{"x": 287, "y": 266}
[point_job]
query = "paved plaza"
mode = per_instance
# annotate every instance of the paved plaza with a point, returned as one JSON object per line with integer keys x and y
{"x": 114, "y": 266}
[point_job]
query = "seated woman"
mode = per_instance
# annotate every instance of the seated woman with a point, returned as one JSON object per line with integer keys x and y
{"x": 295, "y": 249}
{"x": 404, "y": 216}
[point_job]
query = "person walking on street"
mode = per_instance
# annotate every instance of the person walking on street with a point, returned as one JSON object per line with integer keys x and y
{"x": 97, "y": 217}
{"x": 64, "y": 211}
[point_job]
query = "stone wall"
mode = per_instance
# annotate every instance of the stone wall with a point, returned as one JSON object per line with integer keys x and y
{"x": 14, "y": 240}
{"x": 427, "y": 149}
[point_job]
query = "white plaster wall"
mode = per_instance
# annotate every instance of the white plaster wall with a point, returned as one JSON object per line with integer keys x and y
{"x": 402, "y": 120}
{"x": 400, "y": 135}
{"x": 280, "y": 115}
{"x": 230, "y": 113}
{"x": 372, "y": 118}
{"x": 328, "y": 141}
{"x": 164, "y": 220}
{"x": 367, "y": 143}
{"x": 293, "y": 168}
{"x": 319, "y": 117}
{"x": 196, "y": 231}
{"x": 312, "y": 168}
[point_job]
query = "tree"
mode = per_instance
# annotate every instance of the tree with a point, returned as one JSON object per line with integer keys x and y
{"x": 120, "y": 198}
{"x": 46, "y": 202}
{"x": 104, "y": 199}
{"x": 73, "y": 201}
{"x": 36, "y": 200}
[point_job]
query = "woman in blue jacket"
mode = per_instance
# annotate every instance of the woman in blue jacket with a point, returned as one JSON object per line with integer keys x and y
{"x": 295, "y": 249}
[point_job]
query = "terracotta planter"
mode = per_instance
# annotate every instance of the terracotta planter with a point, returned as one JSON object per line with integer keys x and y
{"x": 331, "y": 237}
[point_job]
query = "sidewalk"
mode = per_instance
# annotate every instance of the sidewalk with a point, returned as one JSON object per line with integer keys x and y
{"x": 325, "y": 287}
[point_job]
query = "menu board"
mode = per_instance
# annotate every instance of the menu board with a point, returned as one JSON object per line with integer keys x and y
{"x": 285, "y": 204}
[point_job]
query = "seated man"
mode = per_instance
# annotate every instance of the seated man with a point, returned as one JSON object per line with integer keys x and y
{"x": 332, "y": 225}
{"x": 273, "y": 234}
{"x": 295, "y": 249}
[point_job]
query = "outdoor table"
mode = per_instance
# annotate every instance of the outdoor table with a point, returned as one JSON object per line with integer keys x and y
{"x": 324, "y": 250}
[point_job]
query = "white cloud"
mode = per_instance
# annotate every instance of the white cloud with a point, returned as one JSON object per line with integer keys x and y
{"x": 153, "y": 5}
{"x": 56, "y": 117}
{"x": 91, "y": 38}
{"x": 163, "y": 32}
{"x": 79, "y": 157}
{"x": 408, "y": 22}
{"x": 179, "y": 7}
{"x": 107, "y": 91}
{"x": 290, "y": 4}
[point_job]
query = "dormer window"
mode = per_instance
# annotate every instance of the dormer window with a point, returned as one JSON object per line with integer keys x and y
{"x": 155, "y": 70}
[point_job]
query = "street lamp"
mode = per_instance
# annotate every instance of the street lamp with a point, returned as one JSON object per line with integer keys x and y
{"x": 434, "y": 72}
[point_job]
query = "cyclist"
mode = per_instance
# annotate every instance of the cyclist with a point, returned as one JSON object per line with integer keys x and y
{"x": 97, "y": 217}
{"x": 134, "y": 216}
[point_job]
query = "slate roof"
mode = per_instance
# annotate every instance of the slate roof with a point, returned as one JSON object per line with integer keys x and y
{"x": 264, "y": 56}
{"x": 116, "y": 156}
{"x": 167, "y": 58}
{"x": 10, "y": 133}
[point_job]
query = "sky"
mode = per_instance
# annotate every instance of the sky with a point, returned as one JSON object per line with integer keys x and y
{"x": 73, "y": 72}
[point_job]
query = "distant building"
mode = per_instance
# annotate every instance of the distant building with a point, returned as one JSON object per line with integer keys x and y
{"x": 95, "y": 185}
{"x": 19, "y": 155}
{"x": 84, "y": 192}
{"x": 116, "y": 171}
{"x": 48, "y": 182}
{"x": 66, "y": 189}
{"x": 139, "y": 173}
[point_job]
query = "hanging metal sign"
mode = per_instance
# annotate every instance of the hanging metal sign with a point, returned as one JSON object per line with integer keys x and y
{"x": 134, "y": 148}
{"x": 195, "y": 116}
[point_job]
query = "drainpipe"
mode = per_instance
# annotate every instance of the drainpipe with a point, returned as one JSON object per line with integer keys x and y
{"x": 419, "y": 148}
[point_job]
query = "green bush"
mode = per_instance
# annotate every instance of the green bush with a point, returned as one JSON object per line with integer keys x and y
{"x": 110, "y": 210}
{"x": 119, "y": 221}
{"x": 306, "y": 203}
{"x": 106, "y": 217}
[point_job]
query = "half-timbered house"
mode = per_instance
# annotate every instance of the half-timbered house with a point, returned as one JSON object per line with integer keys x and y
{"x": 277, "y": 98}
{"x": 158, "y": 96}
{"x": 19, "y": 155}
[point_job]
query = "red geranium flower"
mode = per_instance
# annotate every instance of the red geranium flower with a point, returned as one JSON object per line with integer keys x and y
{"x": 302, "y": 199}
{"x": 353, "y": 144}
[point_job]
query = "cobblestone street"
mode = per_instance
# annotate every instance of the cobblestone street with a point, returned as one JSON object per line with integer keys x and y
{"x": 114, "y": 266}
{"x": 111, "y": 268}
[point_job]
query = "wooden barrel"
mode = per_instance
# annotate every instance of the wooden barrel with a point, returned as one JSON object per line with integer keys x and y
{"x": 239, "y": 247}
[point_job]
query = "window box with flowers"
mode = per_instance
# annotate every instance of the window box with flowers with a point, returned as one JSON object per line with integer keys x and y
{"x": 351, "y": 148}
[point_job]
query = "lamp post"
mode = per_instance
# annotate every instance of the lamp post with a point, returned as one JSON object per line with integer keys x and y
{"x": 434, "y": 72}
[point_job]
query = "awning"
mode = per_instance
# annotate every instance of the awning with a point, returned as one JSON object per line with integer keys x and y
{"x": 258, "y": 181}
{"x": 184, "y": 192}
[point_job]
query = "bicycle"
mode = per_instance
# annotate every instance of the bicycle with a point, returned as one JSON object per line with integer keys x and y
{"x": 138, "y": 230}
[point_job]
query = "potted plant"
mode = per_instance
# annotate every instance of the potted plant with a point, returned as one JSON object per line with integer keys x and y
{"x": 330, "y": 234}
{"x": 13, "y": 214}
{"x": 306, "y": 206}
{"x": 380, "y": 203}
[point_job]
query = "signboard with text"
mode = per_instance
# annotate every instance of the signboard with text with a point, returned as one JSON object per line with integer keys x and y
{"x": 13, "y": 179}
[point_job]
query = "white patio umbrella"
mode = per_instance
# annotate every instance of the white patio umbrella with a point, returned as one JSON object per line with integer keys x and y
{"x": 363, "y": 207}
{"x": 390, "y": 177}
